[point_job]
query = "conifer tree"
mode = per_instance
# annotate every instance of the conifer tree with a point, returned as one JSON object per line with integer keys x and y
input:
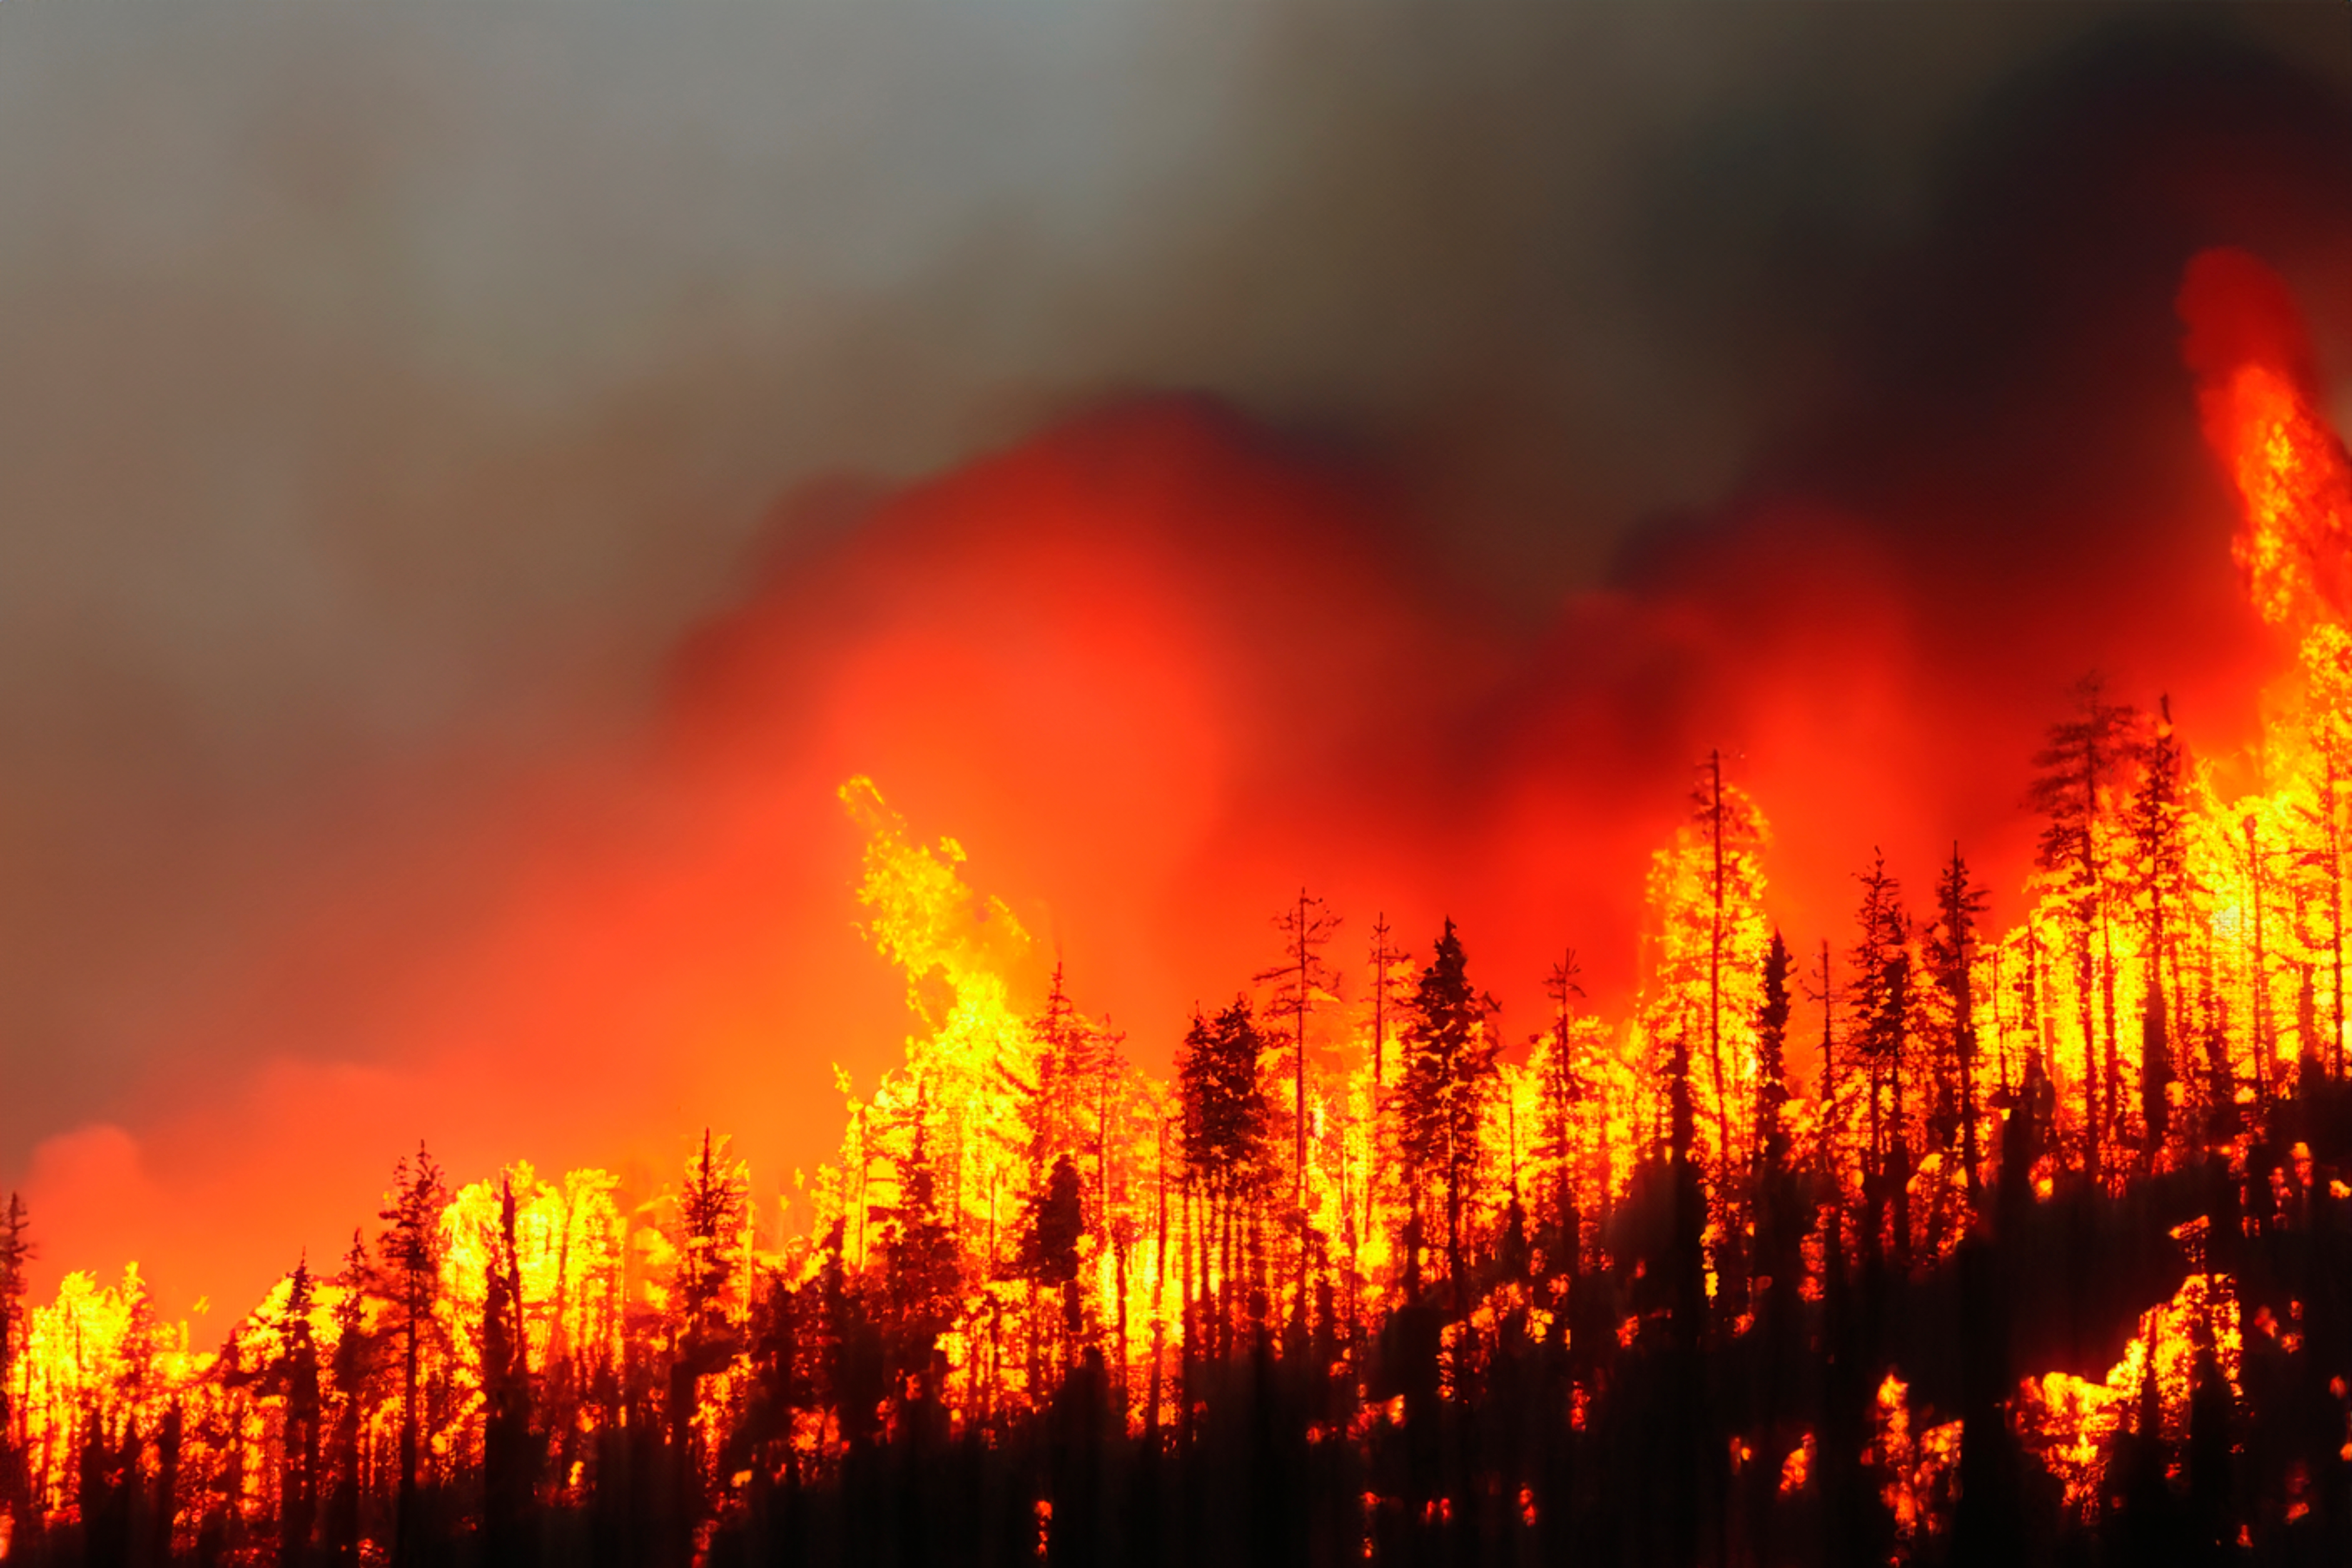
{"x": 1565, "y": 1090}
{"x": 15, "y": 1252}
{"x": 922, "y": 1265}
{"x": 508, "y": 1478}
{"x": 711, "y": 1204}
{"x": 297, "y": 1374}
{"x": 2156, "y": 821}
{"x": 1879, "y": 1007}
{"x": 349, "y": 1372}
{"x": 1225, "y": 1119}
{"x": 1771, "y": 1057}
{"x": 411, "y": 1248}
{"x": 1300, "y": 982}
{"x": 1449, "y": 1068}
{"x": 2085, "y": 754}
{"x": 1054, "y": 1104}
{"x": 1951, "y": 954}
{"x": 1707, "y": 921}
{"x": 1054, "y": 1224}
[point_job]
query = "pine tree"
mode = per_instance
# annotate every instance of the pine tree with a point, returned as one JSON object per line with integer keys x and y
{"x": 1449, "y": 1066}
{"x": 15, "y": 1252}
{"x": 922, "y": 1266}
{"x": 1951, "y": 954}
{"x": 1771, "y": 1057}
{"x": 1054, "y": 1103}
{"x": 349, "y": 1372}
{"x": 1226, "y": 1119}
{"x": 1565, "y": 1090}
{"x": 1388, "y": 993}
{"x": 411, "y": 1248}
{"x": 508, "y": 1478}
{"x": 711, "y": 1204}
{"x": 1709, "y": 935}
{"x": 1879, "y": 1007}
{"x": 297, "y": 1374}
{"x": 1300, "y": 982}
{"x": 2156, "y": 820}
{"x": 1052, "y": 1227}
{"x": 2084, "y": 757}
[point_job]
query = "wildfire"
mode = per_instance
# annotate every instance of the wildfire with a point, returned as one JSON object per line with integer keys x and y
{"x": 1349, "y": 1205}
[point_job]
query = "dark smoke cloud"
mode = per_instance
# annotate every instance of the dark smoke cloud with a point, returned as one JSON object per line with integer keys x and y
{"x": 385, "y": 393}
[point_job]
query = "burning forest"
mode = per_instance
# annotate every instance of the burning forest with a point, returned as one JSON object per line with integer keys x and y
{"x": 1917, "y": 1239}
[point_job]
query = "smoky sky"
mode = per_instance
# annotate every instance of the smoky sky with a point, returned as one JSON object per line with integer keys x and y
{"x": 385, "y": 394}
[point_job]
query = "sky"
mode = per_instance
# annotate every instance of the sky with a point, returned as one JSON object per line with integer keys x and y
{"x": 473, "y": 480}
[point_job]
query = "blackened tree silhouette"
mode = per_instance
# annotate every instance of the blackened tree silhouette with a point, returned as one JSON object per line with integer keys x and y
{"x": 297, "y": 1378}
{"x": 1054, "y": 1222}
{"x": 410, "y": 1250}
{"x": 1225, "y": 1123}
{"x": 351, "y": 1370}
{"x": 922, "y": 1266}
{"x": 1449, "y": 1066}
{"x": 2084, "y": 756}
{"x": 1565, "y": 1091}
{"x": 15, "y": 1252}
{"x": 1951, "y": 957}
{"x": 1879, "y": 1007}
{"x": 1055, "y": 1102}
{"x": 1301, "y": 982}
{"x": 509, "y": 1451}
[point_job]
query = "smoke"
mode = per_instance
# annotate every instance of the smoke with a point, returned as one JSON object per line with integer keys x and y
{"x": 388, "y": 397}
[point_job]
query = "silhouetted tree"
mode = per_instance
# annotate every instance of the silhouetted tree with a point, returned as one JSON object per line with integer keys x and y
{"x": 1951, "y": 954}
{"x": 1449, "y": 1064}
{"x": 1771, "y": 1059}
{"x": 508, "y": 1445}
{"x": 1565, "y": 1090}
{"x": 1879, "y": 1005}
{"x": 350, "y": 1369}
{"x": 298, "y": 1438}
{"x": 2084, "y": 755}
{"x": 710, "y": 1209}
{"x": 1052, "y": 1227}
{"x": 411, "y": 1248}
{"x": 1225, "y": 1119}
{"x": 922, "y": 1267}
{"x": 1300, "y": 982}
{"x": 1054, "y": 1104}
{"x": 15, "y": 1252}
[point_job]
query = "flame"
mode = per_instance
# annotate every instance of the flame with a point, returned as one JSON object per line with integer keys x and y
{"x": 2296, "y": 489}
{"x": 2070, "y": 1422}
